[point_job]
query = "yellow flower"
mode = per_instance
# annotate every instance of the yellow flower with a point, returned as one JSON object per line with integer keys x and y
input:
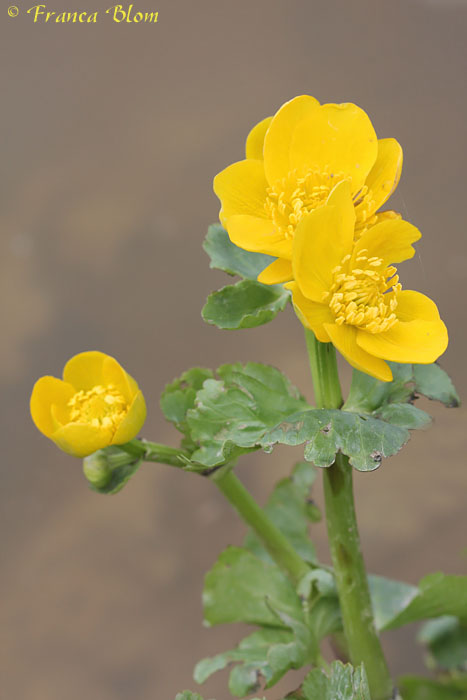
{"x": 348, "y": 292}
{"x": 293, "y": 161}
{"x": 97, "y": 404}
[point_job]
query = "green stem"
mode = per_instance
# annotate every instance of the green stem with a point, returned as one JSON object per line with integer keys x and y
{"x": 156, "y": 452}
{"x": 349, "y": 568}
{"x": 273, "y": 540}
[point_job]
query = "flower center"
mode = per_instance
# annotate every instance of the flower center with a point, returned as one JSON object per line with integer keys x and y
{"x": 101, "y": 407}
{"x": 291, "y": 198}
{"x": 366, "y": 296}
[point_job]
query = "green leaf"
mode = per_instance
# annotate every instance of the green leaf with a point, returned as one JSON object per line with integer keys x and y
{"x": 369, "y": 395}
{"x": 365, "y": 440}
{"x": 434, "y": 383}
{"x": 343, "y": 683}
{"x": 256, "y": 656}
{"x": 228, "y": 257}
{"x": 290, "y": 509}
{"x": 417, "y": 688}
{"x": 187, "y": 695}
{"x": 246, "y": 304}
{"x": 446, "y": 641}
{"x": 438, "y": 594}
{"x": 389, "y": 598}
{"x": 231, "y": 415}
{"x": 179, "y": 396}
{"x": 242, "y": 588}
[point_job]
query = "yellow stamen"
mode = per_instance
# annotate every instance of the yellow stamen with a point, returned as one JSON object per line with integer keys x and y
{"x": 101, "y": 407}
{"x": 365, "y": 296}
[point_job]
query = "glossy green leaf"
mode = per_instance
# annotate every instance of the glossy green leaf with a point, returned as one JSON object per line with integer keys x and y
{"x": 242, "y": 588}
{"x": 246, "y": 304}
{"x": 438, "y": 594}
{"x": 231, "y": 415}
{"x": 434, "y": 383}
{"x": 369, "y": 395}
{"x": 228, "y": 257}
{"x": 290, "y": 509}
{"x": 179, "y": 396}
{"x": 417, "y": 688}
{"x": 446, "y": 642}
{"x": 343, "y": 683}
{"x": 365, "y": 440}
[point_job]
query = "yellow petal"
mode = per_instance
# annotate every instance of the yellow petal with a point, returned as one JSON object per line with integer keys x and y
{"x": 81, "y": 440}
{"x": 259, "y": 236}
{"x": 242, "y": 189}
{"x": 414, "y": 305}
{"x": 391, "y": 240}
{"x": 46, "y": 392}
{"x": 418, "y": 341}
{"x": 279, "y": 136}
{"x": 313, "y": 316}
{"x": 113, "y": 373}
{"x": 344, "y": 338}
{"x": 385, "y": 174}
{"x": 133, "y": 421}
{"x": 85, "y": 370}
{"x": 337, "y": 139}
{"x": 255, "y": 139}
{"x": 278, "y": 271}
{"x": 321, "y": 240}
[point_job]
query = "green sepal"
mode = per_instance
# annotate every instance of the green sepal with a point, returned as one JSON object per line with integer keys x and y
{"x": 343, "y": 682}
{"x": 446, "y": 641}
{"x": 118, "y": 464}
{"x": 228, "y": 257}
{"x": 290, "y": 509}
{"x": 418, "y": 688}
{"x": 246, "y": 304}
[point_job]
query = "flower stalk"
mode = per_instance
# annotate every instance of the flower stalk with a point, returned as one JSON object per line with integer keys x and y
{"x": 271, "y": 537}
{"x": 349, "y": 568}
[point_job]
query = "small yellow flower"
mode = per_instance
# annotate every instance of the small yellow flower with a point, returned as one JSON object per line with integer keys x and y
{"x": 293, "y": 162}
{"x": 95, "y": 405}
{"x": 348, "y": 292}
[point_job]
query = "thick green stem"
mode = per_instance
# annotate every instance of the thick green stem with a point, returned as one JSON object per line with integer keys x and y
{"x": 273, "y": 540}
{"x": 349, "y": 568}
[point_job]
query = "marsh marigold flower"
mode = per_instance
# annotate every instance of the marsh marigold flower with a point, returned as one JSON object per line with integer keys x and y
{"x": 293, "y": 161}
{"x": 349, "y": 293}
{"x": 97, "y": 404}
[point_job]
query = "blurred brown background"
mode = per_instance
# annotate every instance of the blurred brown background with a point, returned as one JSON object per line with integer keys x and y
{"x": 112, "y": 134}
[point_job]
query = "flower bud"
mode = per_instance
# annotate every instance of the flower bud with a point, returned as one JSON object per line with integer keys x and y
{"x": 97, "y": 469}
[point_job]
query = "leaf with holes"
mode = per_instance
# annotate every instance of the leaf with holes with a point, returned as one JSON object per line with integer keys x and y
{"x": 364, "y": 439}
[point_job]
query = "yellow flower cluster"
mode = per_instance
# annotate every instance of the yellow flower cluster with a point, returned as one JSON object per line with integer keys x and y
{"x": 97, "y": 404}
{"x": 309, "y": 194}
